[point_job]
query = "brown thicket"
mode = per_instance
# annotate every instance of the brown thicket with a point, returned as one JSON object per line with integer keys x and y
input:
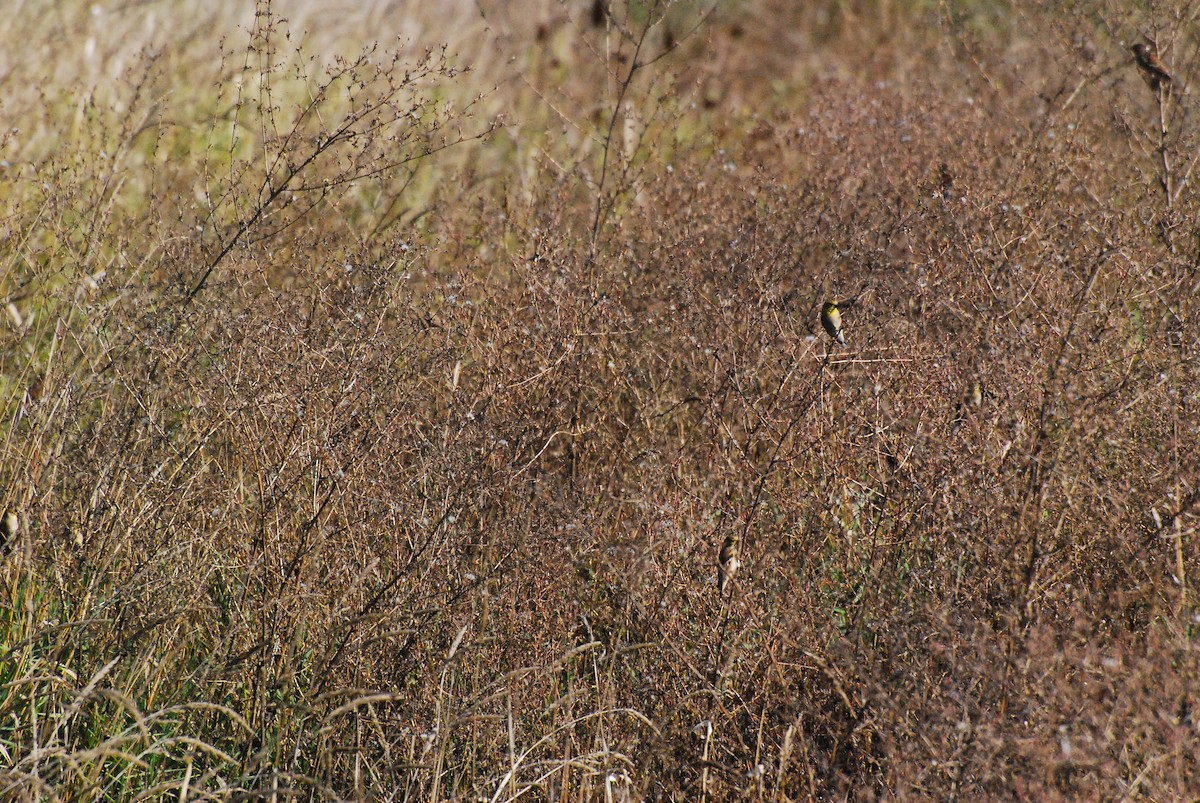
{"x": 373, "y": 423}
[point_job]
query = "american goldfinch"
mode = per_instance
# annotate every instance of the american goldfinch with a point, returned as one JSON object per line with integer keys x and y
{"x": 727, "y": 562}
{"x": 831, "y": 319}
{"x": 972, "y": 399}
{"x": 1152, "y": 69}
{"x": 974, "y": 396}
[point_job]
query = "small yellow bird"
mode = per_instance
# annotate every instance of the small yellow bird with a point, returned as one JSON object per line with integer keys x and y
{"x": 831, "y": 319}
{"x": 727, "y": 562}
{"x": 972, "y": 399}
{"x": 974, "y": 395}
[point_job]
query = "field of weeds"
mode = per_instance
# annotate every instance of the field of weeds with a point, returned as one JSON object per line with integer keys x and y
{"x": 382, "y": 384}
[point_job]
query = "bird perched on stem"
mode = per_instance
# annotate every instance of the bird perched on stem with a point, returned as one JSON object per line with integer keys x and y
{"x": 728, "y": 562}
{"x": 1153, "y": 71}
{"x": 831, "y": 319}
{"x": 974, "y": 395}
{"x": 831, "y": 313}
{"x": 9, "y": 525}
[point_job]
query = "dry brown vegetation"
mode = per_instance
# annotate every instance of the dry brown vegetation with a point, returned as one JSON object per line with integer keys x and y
{"x": 373, "y": 418}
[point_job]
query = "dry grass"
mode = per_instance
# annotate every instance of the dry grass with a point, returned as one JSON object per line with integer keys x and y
{"x": 373, "y": 419}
